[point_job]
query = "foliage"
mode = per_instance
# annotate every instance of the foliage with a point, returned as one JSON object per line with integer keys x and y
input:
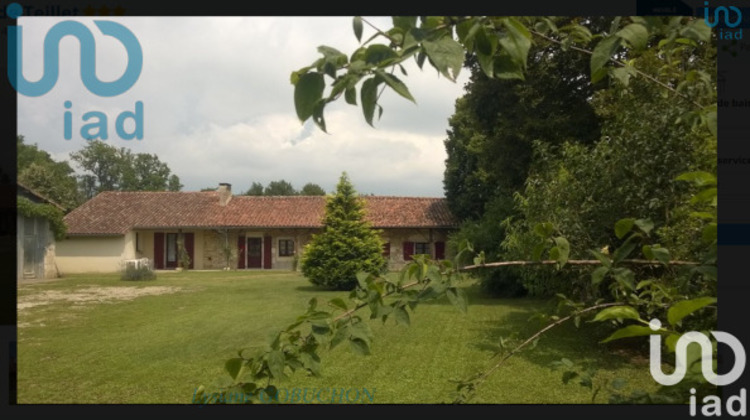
{"x": 113, "y": 169}
{"x": 174, "y": 183}
{"x": 38, "y": 171}
{"x": 658, "y": 107}
{"x": 52, "y": 214}
{"x": 255, "y": 189}
{"x": 133, "y": 273}
{"x": 489, "y": 144}
{"x": 280, "y": 187}
{"x": 347, "y": 245}
{"x": 312, "y": 189}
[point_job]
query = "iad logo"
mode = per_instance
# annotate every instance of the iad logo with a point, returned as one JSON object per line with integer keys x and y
{"x": 724, "y": 33}
{"x": 712, "y": 403}
{"x": 51, "y": 56}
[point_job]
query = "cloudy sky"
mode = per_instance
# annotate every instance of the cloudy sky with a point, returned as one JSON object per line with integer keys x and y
{"x": 218, "y": 105}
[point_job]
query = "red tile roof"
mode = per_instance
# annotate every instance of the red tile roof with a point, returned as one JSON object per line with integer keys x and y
{"x": 115, "y": 213}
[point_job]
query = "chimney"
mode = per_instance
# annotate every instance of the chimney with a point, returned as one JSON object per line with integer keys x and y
{"x": 225, "y": 193}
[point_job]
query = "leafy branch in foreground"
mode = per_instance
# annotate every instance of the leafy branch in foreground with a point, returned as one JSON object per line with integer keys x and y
{"x": 255, "y": 373}
{"x": 501, "y": 46}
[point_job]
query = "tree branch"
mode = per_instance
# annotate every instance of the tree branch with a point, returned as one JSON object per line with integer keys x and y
{"x": 486, "y": 374}
{"x": 621, "y": 64}
{"x": 571, "y": 262}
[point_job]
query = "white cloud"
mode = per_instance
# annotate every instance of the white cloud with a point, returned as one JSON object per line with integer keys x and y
{"x": 218, "y": 105}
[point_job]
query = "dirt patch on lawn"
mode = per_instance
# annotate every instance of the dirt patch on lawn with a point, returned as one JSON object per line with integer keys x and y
{"x": 92, "y": 295}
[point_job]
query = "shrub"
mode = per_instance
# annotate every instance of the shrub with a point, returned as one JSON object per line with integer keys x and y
{"x": 133, "y": 273}
{"x": 347, "y": 244}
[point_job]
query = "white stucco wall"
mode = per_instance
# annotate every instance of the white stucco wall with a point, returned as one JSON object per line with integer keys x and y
{"x": 94, "y": 254}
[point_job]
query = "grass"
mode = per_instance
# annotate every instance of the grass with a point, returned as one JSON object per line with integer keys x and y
{"x": 159, "y": 348}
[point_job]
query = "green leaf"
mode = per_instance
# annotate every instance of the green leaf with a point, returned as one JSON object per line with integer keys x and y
{"x": 340, "y": 335}
{"x": 362, "y": 278}
{"x": 623, "y": 227}
{"x": 603, "y": 52}
{"x": 233, "y": 367}
{"x": 629, "y": 331}
{"x": 446, "y": 55}
{"x": 276, "y": 362}
{"x": 369, "y": 97}
{"x": 624, "y": 250}
{"x": 706, "y": 196}
{"x": 617, "y": 312}
{"x": 563, "y": 248}
{"x": 360, "y": 346}
{"x": 598, "y": 275}
{"x": 377, "y": 53}
{"x": 350, "y": 95}
{"x": 647, "y": 252}
{"x": 544, "y": 230}
{"x": 357, "y": 25}
{"x": 599, "y": 75}
{"x": 517, "y": 41}
{"x": 317, "y": 115}
{"x": 625, "y": 277}
{"x": 698, "y": 178}
{"x": 604, "y": 259}
{"x": 307, "y": 92}
{"x": 661, "y": 254}
{"x": 404, "y": 22}
{"x": 310, "y": 361}
{"x": 339, "y": 303}
{"x": 396, "y": 84}
{"x": 697, "y": 30}
{"x": 621, "y": 74}
{"x": 712, "y": 123}
{"x": 485, "y": 48}
{"x": 645, "y": 225}
{"x": 671, "y": 342}
{"x": 636, "y": 35}
{"x": 457, "y": 297}
{"x": 506, "y": 68}
{"x": 536, "y": 254}
{"x": 361, "y": 330}
{"x": 402, "y": 316}
{"x": 686, "y": 307}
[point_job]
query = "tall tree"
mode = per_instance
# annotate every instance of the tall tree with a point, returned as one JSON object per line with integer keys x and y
{"x": 112, "y": 169}
{"x": 255, "y": 189}
{"x": 346, "y": 246}
{"x": 37, "y": 170}
{"x": 280, "y": 187}
{"x": 174, "y": 183}
{"x": 312, "y": 189}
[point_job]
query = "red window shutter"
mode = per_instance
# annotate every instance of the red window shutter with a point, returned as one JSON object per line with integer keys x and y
{"x": 189, "y": 247}
{"x": 159, "y": 250}
{"x": 408, "y": 250}
{"x": 439, "y": 250}
{"x": 387, "y": 250}
{"x": 241, "y": 251}
{"x": 267, "y": 254}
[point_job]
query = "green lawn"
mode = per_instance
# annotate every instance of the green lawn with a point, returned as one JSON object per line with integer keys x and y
{"x": 78, "y": 345}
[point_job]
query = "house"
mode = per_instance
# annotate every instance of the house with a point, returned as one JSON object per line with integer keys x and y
{"x": 35, "y": 242}
{"x": 221, "y": 230}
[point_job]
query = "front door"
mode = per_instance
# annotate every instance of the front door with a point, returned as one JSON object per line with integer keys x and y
{"x": 171, "y": 250}
{"x": 254, "y": 252}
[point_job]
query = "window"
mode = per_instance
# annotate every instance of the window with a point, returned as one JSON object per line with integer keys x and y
{"x": 422, "y": 248}
{"x": 137, "y": 242}
{"x": 286, "y": 247}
